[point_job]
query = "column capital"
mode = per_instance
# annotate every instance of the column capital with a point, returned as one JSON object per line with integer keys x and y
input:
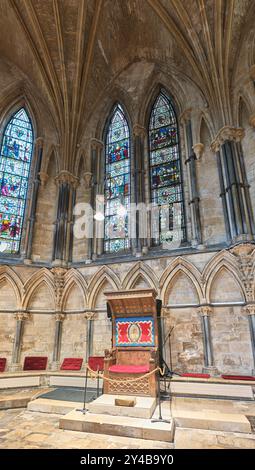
{"x": 185, "y": 116}
{"x": 139, "y": 131}
{"x": 96, "y": 144}
{"x": 235, "y": 134}
{"x": 39, "y": 143}
{"x": 252, "y": 121}
{"x": 43, "y": 177}
{"x": 205, "y": 310}
{"x": 89, "y": 315}
{"x": 87, "y": 177}
{"x": 22, "y": 316}
{"x": 199, "y": 150}
{"x": 59, "y": 316}
{"x": 249, "y": 309}
{"x": 66, "y": 177}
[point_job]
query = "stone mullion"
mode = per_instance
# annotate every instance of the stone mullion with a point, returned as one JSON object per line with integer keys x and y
{"x": 34, "y": 197}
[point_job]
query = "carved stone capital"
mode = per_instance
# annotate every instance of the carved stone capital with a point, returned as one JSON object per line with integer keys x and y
{"x": 185, "y": 115}
{"x": 97, "y": 144}
{"x": 87, "y": 178}
{"x": 89, "y": 315}
{"x": 199, "y": 150}
{"x": 252, "y": 121}
{"x": 22, "y": 316}
{"x": 67, "y": 177}
{"x": 235, "y": 134}
{"x": 60, "y": 316}
{"x": 249, "y": 309}
{"x": 139, "y": 131}
{"x": 205, "y": 310}
{"x": 43, "y": 178}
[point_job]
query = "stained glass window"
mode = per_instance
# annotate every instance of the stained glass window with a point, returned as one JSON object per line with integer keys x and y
{"x": 165, "y": 171}
{"x": 16, "y": 154}
{"x": 117, "y": 182}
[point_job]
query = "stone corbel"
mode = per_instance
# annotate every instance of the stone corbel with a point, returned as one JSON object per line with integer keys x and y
{"x": 22, "y": 316}
{"x": 60, "y": 316}
{"x": 205, "y": 311}
{"x": 67, "y": 177}
{"x": 235, "y": 134}
{"x": 185, "y": 116}
{"x": 199, "y": 150}
{"x": 89, "y": 315}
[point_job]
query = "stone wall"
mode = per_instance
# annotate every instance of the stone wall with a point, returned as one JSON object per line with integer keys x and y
{"x": 183, "y": 283}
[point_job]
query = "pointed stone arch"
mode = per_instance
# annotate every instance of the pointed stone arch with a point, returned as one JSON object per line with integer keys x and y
{"x": 223, "y": 260}
{"x": 51, "y": 156}
{"x": 140, "y": 270}
{"x": 181, "y": 265}
{"x": 8, "y": 275}
{"x": 43, "y": 276}
{"x": 74, "y": 278}
{"x": 104, "y": 274}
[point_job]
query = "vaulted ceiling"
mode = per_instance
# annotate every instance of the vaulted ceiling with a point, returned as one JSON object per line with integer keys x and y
{"x": 72, "y": 51}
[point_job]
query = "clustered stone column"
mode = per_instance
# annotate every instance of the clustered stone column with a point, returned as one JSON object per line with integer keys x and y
{"x": 139, "y": 241}
{"x": 97, "y": 190}
{"x": 193, "y": 153}
{"x": 20, "y": 318}
{"x": 209, "y": 366}
{"x": 59, "y": 318}
{"x": 38, "y": 152}
{"x": 234, "y": 185}
{"x": 63, "y": 235}
{"x": 250, "y": 311}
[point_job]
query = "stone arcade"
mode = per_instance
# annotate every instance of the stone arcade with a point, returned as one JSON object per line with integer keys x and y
{"x": 146, "y": 102}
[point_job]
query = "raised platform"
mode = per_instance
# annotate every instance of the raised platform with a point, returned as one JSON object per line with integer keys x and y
{"x": 115, "y": 425}
{"x": 105, "y": 404}
{"x": 212, "y": 420}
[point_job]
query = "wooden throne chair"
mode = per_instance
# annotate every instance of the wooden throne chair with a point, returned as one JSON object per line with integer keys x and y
{"x": 134, "y": 350}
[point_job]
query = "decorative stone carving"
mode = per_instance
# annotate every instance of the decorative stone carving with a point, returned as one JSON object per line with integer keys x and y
{"x": 139, "y": 130}
{"x": 205, "y": 310}
{"x": 198, "y": 150}
{"x": 96, "y": 144}
{"x": 249, "y": 309}
{"x": 235, "y": 134}
{"x": 87, "y": 177}
{"x": 89, "y": 315}
{"x": 59, "y": 281}
{"x": 43, "y": 178}
{"x": 252, "y": 121}
{"x": 67, "y": 177}
{"x": 60, "y": 316}
{"x": 22, "y": 316}
{"x": 245, "y": 261}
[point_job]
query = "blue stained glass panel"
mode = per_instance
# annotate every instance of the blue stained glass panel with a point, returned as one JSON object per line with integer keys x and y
{"x": 117, "y": 183}
{"x": 165, "y": 171}
{"x": 15, "y": 159}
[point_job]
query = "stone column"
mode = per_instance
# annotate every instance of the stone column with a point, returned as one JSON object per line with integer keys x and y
{"x": 139, "y": 242}
{"x": 194, "y": 153}
{"x": 98, "y": 171}
{"x": 20, "y": 318}
{"x": 89, "y": 333}
{"x": 63, "y": 226}
{"x": 235, "y": 195}
{"x": 59, "y": 317}
{"x": 250, "y": 311}
{"x": 209, "y": 367}
{"x": 38, "y": 152}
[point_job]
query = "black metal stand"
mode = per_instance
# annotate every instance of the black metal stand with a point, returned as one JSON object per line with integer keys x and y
{"x": 84, "y": 409}
{"x": 159, "y": 419}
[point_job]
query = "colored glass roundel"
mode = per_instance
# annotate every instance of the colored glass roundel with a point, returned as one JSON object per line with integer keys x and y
{"x": 117, "y": 183}
{"x": 165, "y": 172}
{"x": 16, "y": 155}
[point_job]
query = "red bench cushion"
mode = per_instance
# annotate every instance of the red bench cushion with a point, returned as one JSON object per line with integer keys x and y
{"x": 199, "y": 376}
{"x": 96, "y": 362}
{"x": 2, "y": 364}
{"x": 35, "y": 363}
{"x": 71, "y": 363}
{"x": 122, "y": 369}
{"x": 238, "y": 377}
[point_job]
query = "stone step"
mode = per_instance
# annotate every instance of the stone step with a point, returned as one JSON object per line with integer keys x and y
{"x": 117, "y": 426}
{"x": 45, "y": 405}
{"x": 213, "y": 420}
{"x": 105, "y": 404}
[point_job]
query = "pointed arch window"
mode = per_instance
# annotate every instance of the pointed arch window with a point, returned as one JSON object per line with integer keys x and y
{"x": 165, "y": 172}
{"x": 15, "y": 159}
{"x": 117, "y": 182}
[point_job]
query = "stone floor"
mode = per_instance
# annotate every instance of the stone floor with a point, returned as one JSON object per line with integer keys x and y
{"x": 22, "y": 429}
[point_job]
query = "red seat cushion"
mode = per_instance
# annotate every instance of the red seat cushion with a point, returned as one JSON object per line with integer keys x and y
{"x": 200, "y": 376}
{"x": 122, "y": 369}
{"x": 238, "y": 377}
{"x": 2, "y": 364}
{"x": 96, "y": 362}
{"x": 71, "y": 363}
{"x": 35, "y": 363}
